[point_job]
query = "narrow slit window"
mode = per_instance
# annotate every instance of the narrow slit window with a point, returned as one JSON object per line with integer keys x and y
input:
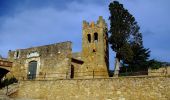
{"x": 89, "y": 38}
{"x": 95, "y": 37}
{"x": 17, "y": 54}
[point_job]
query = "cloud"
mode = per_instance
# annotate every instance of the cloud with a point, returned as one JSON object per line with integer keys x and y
{"x": 45, "y": 25}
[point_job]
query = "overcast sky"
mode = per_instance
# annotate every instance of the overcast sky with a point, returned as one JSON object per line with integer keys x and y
{"x": 29, "y": 23}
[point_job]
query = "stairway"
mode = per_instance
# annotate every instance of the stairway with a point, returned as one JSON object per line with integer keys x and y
{"x": 6, "y": 91}
{"x": 12, "y": 89}
{"x": 3, "y": 96}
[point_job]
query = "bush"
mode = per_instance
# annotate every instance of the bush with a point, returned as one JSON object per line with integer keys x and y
{"x": 154, "y": 64}
{"x": 7, "y": 82}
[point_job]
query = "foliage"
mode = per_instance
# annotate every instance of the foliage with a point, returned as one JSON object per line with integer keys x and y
{"x": 123, "y": 29}
{"x": 126, "y": 40}
{"x": 140, "y": 58}
{"x": 126, "y": 53}
{"x": 154, "y": 64}
{"x": 7, "y": 82}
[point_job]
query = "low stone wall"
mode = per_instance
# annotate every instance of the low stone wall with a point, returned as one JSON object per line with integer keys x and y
{"x": 124, "y": 88}
{"x": 163, "y": 71}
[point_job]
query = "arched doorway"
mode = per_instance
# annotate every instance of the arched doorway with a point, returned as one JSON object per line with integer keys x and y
{"x": 3, "y": 72}
{"x": 89, "y": 38}
{"x": 32, "y": 69}
{"x": 72, "y": 72}
{"x": 95, "y": 37}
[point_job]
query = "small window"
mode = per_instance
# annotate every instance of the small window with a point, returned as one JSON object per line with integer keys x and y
{"x": 95, "y": 37}
{"x": 16, "y": 54}
{"x": 94, "y": 50}
{"x": 89, "y": 38}
{"x": 47, "y": 50}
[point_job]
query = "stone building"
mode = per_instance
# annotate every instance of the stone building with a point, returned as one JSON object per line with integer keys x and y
{"x": 56, "y": 61}
{"x": 43, "y": 61}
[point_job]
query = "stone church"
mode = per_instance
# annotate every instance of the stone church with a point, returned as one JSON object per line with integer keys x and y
{"x": 57, "y": 61}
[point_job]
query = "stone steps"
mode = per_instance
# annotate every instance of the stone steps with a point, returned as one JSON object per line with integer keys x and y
{"x": 4, "y": 97}
{"x": 11, "y": 89}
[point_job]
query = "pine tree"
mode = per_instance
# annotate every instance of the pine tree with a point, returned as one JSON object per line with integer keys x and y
{"x": 126, "y": 40}
{"x": 140, "y": 58}
{"x": 123, "y": 32}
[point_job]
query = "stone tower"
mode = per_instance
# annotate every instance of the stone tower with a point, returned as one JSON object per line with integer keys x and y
{"x": 95, "y": 48}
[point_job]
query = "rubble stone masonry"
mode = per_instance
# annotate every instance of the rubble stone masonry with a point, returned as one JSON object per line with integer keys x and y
{"x": 129, "y": 88}
{"x": 52, "y": 60}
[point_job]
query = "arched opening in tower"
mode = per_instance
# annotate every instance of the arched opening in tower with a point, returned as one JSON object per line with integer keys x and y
{"x": 95, "y": 37}
{"x": 89, "y": 38}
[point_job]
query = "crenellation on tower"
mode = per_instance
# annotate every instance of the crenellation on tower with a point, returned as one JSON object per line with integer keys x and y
{"x": 92, "y": 24}
{"x": 85, "y": 24}
{"x": 101, "y": 22}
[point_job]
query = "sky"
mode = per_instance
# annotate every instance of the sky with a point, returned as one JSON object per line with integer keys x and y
{"x": 30, "y": 23}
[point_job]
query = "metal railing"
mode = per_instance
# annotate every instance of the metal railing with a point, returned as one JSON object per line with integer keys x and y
{"x": 85, "y": 75}
{"x": 66, "y": 75}
{"x": 133, "y": 73}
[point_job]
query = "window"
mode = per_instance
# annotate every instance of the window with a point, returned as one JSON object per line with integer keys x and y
{"x": 94, "y": 50}
{"x": 89, "y": 38}
{"x": 16, "y": 55}
{"x": 95, "y": 37}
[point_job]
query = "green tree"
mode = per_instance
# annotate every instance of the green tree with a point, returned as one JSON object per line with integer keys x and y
{"x": 140, "y": 58}
{"x": 154, "y": 64}
{"x": 123, "y": 32}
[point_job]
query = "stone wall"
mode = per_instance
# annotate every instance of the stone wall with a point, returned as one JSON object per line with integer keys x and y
{"x": 51, "y": 60}
{"x": 131, "y": 88}
{"x": 163, "y": 71}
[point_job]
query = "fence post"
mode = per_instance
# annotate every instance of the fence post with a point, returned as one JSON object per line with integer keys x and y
{"x": 93, "y": 73}
{"x": 7, "y": 90}
{"x": 166, "y": 71}
{"x": 22, "y": 77}
{"x": 44, "y": 75}
{"x": 66, "y": 75}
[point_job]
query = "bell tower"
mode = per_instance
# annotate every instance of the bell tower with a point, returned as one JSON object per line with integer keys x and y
{"x": 95, "y": 47}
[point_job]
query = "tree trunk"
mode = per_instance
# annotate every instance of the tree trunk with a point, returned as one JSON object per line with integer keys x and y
{"x": 117, "y": 67}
